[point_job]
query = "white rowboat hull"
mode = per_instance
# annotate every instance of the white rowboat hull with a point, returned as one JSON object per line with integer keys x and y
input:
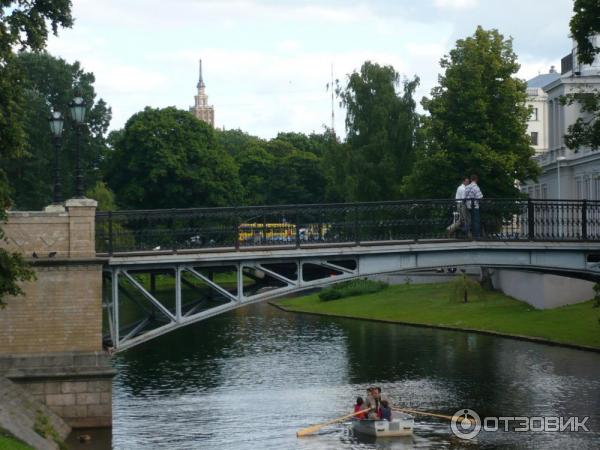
{"x": 399, "y": 426}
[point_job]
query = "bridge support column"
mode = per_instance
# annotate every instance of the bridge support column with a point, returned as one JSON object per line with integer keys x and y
{"x": 51, "y": 338}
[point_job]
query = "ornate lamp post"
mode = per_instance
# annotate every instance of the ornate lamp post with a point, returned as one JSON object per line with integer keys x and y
{"x": 56, "y": 126}
{"x": 77, "y": 107}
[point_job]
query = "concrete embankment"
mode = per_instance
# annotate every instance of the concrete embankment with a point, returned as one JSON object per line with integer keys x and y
{"x": 27, "y": 419}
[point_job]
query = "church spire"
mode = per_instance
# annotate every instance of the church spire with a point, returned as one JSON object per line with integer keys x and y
{"x": 200, "y": 80}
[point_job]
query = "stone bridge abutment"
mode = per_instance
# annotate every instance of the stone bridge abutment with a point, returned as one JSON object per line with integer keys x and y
{"x": 51, "y": 338}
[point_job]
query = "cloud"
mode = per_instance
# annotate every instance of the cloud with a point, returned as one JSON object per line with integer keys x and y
{"x": 455, "y": 4}
{"x": 266, "y": 62}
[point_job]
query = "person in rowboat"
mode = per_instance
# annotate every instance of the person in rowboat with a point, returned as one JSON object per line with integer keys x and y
{"x": 379, "y": 399}
{"x": 373, "y": 403}
{"x": 385, "y": 412}
{"x": 358, "y": 407}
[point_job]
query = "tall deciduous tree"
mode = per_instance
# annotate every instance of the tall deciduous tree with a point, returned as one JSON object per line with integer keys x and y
{"x": 256, "y": 169}
{"x": 477, "y": 124}
{"x": 381, "y": 125}
{"x": 235, "y": 141}
{"x": 166, "y": 158}
{"x": 23, "y": 25}
{"x": 585, "y": 25}
{"x": 51, "y": 82}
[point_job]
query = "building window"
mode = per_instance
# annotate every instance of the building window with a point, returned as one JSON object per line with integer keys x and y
{"x": 534, "y": 138}
{"x": 544, "y": 191}
{"x": 534, "y": 114}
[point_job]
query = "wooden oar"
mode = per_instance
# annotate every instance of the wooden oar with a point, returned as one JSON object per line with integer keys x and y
{"x": 423, "y": 413}
{"x": 314, "y": 428}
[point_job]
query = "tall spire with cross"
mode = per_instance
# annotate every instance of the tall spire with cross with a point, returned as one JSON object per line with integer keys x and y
{"x": 201, "y": 109}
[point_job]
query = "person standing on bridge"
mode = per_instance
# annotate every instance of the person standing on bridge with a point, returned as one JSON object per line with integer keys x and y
{"x": 461, "y": 218}
{"x": 472, "y": 196}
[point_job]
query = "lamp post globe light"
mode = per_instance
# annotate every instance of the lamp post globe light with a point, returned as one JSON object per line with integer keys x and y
{"x": 56, "y": 122}
{"x": 77, "y": 107}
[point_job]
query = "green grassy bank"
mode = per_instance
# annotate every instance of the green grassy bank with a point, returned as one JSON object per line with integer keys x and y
{"x": 430, "y": 304}
{"x": 9, "y": 443}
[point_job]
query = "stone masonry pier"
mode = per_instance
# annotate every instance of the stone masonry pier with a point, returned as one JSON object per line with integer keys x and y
{"x": 51, "y": 338}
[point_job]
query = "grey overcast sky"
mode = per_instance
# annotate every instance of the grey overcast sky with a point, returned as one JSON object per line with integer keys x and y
{"x": 267, "y": 62}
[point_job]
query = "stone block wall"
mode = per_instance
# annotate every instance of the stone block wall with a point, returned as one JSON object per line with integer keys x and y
{"x": 82, "y": 403}
{"x": 69, "y": 232}
{"x": 61, "y": 311}
{"x": 19, "y": 413}
{"x": 75, "y": 386}
{"x": 51, "y": 338}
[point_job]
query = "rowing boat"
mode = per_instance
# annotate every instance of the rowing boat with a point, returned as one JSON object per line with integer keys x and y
{"x": 401, "y": 425}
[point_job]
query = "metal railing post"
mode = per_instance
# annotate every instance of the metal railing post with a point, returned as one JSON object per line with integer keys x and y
{"x": 297, "y": 227}
{"x": 530, "y": 220}
{"x": 356, "y": 231}
{"x": 236, "y": 229}
{"x": 110, "y": 234}
{"x": 584, "y": 231}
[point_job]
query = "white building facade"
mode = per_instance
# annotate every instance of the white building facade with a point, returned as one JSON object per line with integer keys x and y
{"x": 566, "y": 174}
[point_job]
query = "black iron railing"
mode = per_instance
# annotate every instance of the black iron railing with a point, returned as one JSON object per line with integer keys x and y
{"x": 342, "y": 223}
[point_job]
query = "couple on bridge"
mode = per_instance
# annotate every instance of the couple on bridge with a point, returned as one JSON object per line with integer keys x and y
{"x": 467, "y": 215}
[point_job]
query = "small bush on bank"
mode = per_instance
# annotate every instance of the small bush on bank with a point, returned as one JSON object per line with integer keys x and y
{"x": 351, "y": 288}
{"x": 462, "y": 288}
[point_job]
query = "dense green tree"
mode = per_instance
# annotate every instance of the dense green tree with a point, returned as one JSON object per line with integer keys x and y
{"x": 381, "y": 125}
{"x": 585, "y": 24}
{"x": 235, "y": 141}
{"x": 280, "y": 148}
{"x": 297, "y": 178}
{"x": 332, "y": 162}
{"x": 51, "y": 82}
{"x": 256, "y": 169}
{"x": 103, "y": 195}
{"x": 166, "y": 158}
{"x": 313, "y": 143}
{"x": 23, "y": 25}
{"x": 477, "y": 124}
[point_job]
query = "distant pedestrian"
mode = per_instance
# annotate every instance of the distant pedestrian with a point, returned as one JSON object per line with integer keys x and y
{"x": 472, "y": 196}
{"x": 461, "y": 216}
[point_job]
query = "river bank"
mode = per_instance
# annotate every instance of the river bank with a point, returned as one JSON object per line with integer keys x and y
{"x": 429, "y": 305}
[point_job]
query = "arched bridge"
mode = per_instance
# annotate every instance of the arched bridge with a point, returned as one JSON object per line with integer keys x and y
{"x": 169, "y": 268}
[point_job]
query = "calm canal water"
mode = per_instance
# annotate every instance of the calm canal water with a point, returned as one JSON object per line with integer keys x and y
{"x": 251, "y": 378}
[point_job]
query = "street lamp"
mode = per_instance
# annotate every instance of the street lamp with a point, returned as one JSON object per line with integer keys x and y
{"x": 558, "y": 160}
{"x": 77, "y": 107}
{"x": 56, "y": 126}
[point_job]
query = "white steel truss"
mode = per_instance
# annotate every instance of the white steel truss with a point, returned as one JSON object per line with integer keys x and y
{"x": 124, "y": 335}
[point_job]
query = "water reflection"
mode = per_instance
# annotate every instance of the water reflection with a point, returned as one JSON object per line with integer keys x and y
{"x": 250, "y": 379}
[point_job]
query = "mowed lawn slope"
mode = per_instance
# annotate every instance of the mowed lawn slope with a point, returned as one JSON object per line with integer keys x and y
{"x": 430, "y": 304}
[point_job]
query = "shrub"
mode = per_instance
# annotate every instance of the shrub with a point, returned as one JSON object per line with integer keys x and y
{"x": 462, "y": 287}
{"x": 351, "y": 288}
